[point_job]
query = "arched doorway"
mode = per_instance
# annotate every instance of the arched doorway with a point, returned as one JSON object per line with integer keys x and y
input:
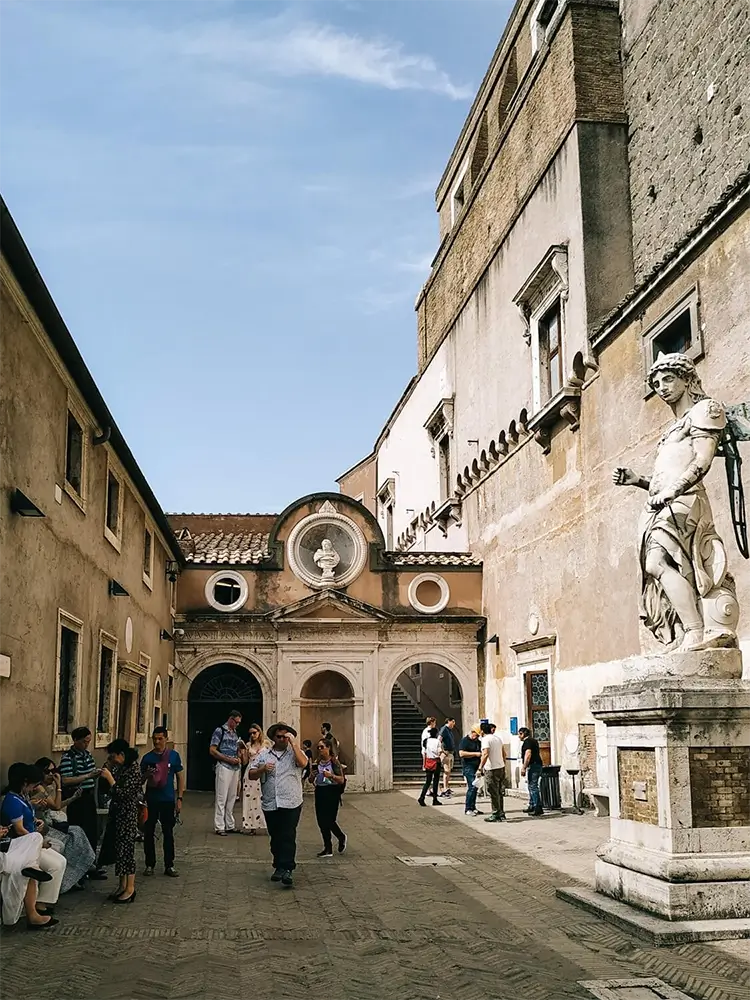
{"x": 213, "y": 694}
{"x": 420, "y": 691}
{"x": 328, "y": 697}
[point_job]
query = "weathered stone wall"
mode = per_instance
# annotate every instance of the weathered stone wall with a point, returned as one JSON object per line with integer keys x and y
{"x": 63, "y": 561}
{"x": 720, "y": 786}
{"x": 687, "y": 96}
{"x": 578, "y": 77}
{"x": 637, "y": 767}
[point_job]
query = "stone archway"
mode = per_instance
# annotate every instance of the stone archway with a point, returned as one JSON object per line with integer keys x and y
{"x": 327, "y": 696}
{"x": 422, "y": 690}
{"x": 213, "y": 694}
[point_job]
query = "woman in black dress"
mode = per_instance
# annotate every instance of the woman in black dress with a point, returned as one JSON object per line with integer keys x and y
{"x": 125, "y": 790}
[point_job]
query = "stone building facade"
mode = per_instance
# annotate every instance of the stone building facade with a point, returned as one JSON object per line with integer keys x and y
{"x": 558, "y": 277}
{"x": 260, "y": 629}
{"x": 88, "y": 559}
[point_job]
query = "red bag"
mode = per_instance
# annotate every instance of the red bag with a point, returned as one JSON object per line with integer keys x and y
{"x": 430, "y": 763}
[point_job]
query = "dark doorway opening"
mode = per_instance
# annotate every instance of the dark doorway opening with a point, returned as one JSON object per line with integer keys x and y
{"x": 213, "y": 694}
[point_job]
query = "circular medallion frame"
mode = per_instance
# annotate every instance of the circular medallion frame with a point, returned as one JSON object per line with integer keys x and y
{"x": 432, "y": 609}
{"x": 345, "y": 525}
{"x": 235, "y": 577}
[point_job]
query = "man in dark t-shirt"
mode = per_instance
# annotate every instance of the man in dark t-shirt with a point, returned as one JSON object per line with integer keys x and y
{"x": 531, "y": 766}
{"x": 470, "y": 752}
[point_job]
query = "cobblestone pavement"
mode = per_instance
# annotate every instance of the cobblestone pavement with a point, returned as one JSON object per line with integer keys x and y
{"x": 357, "y": 927}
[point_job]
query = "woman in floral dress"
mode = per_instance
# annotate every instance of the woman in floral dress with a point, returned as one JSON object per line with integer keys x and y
{"x": 125, "y": 790}
{"x": 253, "y": 819}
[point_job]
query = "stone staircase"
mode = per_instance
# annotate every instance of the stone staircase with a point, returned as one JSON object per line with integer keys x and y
{"x": 407, "y": 723}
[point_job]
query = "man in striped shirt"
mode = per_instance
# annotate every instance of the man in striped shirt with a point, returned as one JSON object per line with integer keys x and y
{"x": 78, "y": 771}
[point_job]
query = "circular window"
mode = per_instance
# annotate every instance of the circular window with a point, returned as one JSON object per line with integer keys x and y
{"x": 226, "y": 591}
{"x": 428, "y": 593}
{"x": 327, "y": 550}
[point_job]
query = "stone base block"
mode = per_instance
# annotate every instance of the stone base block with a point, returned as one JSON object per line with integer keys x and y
{"x": 674, "y": 900}
{"x": 655, "y": 930}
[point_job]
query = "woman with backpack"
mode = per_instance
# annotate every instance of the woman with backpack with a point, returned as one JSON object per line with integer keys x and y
{"x": 431, "y": 763}
{"x": 328, "y": 778}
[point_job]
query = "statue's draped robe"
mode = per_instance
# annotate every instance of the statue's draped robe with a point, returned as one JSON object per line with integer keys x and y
{"x": 684, "y": 529}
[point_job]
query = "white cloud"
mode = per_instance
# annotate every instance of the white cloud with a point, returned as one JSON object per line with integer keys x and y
{"x": 286, "y": 48}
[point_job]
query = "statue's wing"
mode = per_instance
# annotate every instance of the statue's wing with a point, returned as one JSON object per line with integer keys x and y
{"x": 737, "y": 429}
{"x": 738, "y": 418}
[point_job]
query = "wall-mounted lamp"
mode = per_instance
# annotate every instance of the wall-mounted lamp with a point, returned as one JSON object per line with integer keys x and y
{"x": 117, "y": 590}
{"x": 173, "y": 570}
{"x": 20, "y": 504}
{"x": 166, "y": 635}
{"x": 496, "y": 640}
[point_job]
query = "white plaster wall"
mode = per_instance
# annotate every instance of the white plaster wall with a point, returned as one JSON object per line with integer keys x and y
{"x": 492, "y": 362}
{"x": 405, "y": 455}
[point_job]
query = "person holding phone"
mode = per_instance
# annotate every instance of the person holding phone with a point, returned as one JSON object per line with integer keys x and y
{"x": 280, "y": 771}
{"x": 327, "y": 776}
{"x": 79, "y": 773}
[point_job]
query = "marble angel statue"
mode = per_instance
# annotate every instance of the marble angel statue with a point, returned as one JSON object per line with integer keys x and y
{"x": 686, "y": 586}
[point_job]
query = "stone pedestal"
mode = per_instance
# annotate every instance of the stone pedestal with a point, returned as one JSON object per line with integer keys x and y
{"x": 679, "y": 784}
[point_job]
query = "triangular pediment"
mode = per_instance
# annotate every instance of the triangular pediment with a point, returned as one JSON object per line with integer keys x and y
{"x": 329, "y": 605}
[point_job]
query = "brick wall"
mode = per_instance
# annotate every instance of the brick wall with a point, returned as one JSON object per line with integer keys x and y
{"x": 637, "y": 766}
{"x": 720, "y": 786}
{"x": 578, "y": 78}
{"x": 684, "y": 148}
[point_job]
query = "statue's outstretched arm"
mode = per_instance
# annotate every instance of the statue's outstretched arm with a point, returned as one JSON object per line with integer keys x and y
{"x": 626, "y": 477}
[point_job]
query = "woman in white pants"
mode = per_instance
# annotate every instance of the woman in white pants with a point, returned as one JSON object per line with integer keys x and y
{"x": 19, "y": 874}
{"x": 17, "y": 813}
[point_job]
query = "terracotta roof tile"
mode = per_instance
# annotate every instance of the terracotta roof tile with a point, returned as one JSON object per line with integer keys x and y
{"x": 240, "y": 548}
{"x": 445, "y": 559}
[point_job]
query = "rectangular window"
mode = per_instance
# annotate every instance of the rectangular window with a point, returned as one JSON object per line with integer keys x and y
{"x": 550, "y": 353}
{"x": 389, "y": 527}
{"x": 677, "y": 332}
{"x": 444, "y": 456}
{"x": 148, "y": 556}
{"x": 113, "y": 514}
{"x": 106, "y": 676}
{"x": 74, "y": 455}
{"x": 68, "y": 667}
{"x": 141, "y": 714}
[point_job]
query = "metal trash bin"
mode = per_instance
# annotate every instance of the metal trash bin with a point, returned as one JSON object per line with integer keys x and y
{"x": 549, "y": 787}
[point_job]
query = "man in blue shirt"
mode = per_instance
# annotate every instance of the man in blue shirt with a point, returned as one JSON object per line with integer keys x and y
{"x": 225, "y": 750}
{"x": 447, "y": 738}
{"x": 159, "y": 768}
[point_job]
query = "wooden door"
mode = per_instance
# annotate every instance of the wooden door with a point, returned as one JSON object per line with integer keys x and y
{"x": 537, "y": 711}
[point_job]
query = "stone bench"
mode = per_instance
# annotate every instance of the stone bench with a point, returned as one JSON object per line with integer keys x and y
{"x": 600, "y": 798}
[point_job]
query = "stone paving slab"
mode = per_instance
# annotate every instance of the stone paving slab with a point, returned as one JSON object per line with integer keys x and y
{"x": 362, "y": 925}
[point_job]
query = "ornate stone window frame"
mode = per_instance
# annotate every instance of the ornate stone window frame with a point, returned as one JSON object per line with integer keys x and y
{"x": 445, "y": 594}
{"x": 328, "y": 516}
{"x": 235, "y": 577}
{"x": 440, "y": 421}
{"x": 548, "y": 283}
{"x": 61, "y": 740}
{"x": 544, "y": 21}
{"x": 106, "y": 641}
{"x": 387, "y": 494}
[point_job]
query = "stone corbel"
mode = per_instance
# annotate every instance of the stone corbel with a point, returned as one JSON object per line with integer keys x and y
{"x": 448, "y": 513}
{"x": 559, "y": 264}
{"x": 525, "y": 310}
{"x": 564, "y": 405}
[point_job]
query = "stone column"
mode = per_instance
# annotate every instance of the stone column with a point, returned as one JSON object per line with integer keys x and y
{"x": 678, "y": 737}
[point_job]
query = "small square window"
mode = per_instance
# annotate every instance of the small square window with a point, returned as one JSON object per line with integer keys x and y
{"x": 677, "y": 332}
{"x": 676, "y": 338}
{"x": 74, "y": 455}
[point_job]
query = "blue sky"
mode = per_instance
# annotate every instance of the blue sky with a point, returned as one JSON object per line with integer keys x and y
{"x": 232, "y": 205}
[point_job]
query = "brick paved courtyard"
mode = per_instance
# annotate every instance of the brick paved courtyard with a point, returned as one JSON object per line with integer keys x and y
{"x": 358, "y": 927}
